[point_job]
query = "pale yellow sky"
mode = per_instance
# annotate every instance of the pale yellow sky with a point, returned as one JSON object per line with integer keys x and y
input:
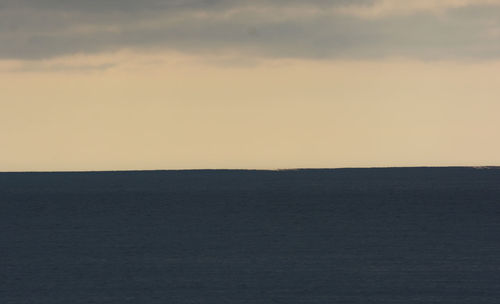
{"x": 168, "y": 110}
{"x": 268, "y": 84}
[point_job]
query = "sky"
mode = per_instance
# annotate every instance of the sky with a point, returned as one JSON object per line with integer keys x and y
{"x": 186, "y": 84}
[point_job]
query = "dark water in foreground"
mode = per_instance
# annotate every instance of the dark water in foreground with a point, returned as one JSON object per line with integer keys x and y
{"x": 407, "y": 235}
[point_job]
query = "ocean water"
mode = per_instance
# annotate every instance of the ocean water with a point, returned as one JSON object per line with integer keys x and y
{"x": 401, "y": 235}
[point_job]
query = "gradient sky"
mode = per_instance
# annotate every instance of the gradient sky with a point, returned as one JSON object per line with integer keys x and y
{"x": 155, "y": 84}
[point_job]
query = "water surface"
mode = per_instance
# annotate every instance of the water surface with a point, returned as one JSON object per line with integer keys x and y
{"x": 406, "y": 235}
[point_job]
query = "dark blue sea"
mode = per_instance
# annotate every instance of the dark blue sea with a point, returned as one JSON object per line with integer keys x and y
{"x": 398, "y": 235}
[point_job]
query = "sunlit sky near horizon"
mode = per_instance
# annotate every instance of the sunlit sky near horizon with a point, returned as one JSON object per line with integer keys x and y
{"x": 183, "y": 84}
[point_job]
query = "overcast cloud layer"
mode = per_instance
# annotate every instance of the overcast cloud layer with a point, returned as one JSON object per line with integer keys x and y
{"x": 34, "y": 29}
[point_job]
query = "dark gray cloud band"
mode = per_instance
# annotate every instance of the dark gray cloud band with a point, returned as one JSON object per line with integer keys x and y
{"x": 34, "y": 29}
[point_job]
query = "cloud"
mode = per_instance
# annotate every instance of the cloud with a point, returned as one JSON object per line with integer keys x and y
{"x": 44, "y": 67}
{"x": 317, "y": 29}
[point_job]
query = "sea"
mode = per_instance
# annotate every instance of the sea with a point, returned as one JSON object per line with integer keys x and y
{"x": 318, "y": 236}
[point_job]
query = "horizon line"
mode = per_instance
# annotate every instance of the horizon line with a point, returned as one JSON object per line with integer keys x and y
{"x": 489, "y": 167}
